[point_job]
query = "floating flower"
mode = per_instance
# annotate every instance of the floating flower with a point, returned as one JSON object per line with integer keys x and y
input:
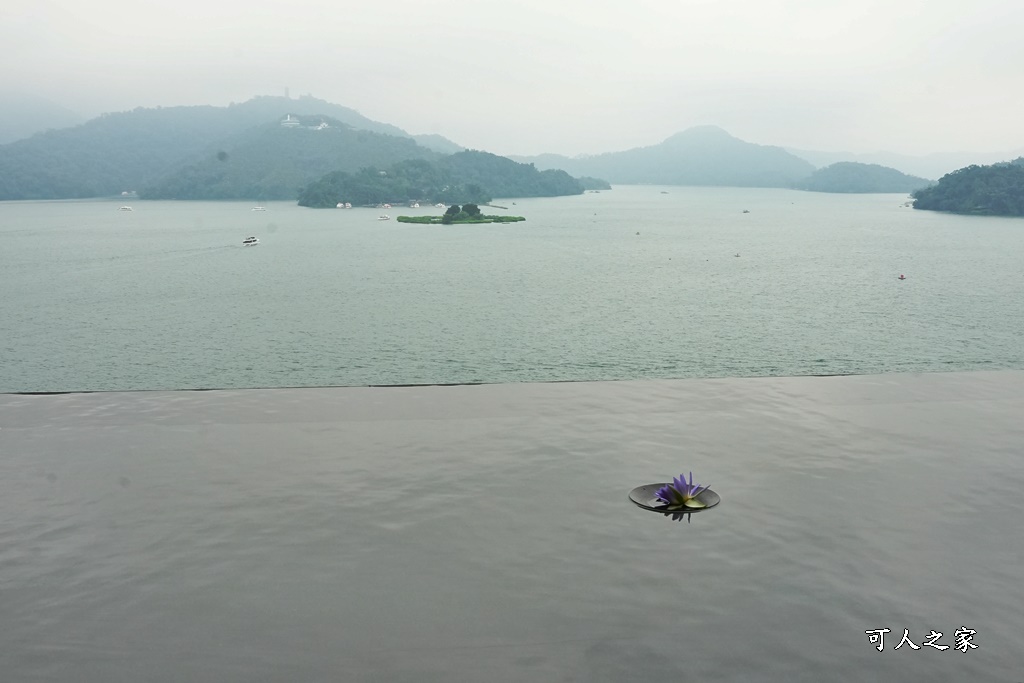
{"x": 680, "y": 494}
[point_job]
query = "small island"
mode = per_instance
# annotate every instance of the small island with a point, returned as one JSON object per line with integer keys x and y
{"x": 456, "y": 215}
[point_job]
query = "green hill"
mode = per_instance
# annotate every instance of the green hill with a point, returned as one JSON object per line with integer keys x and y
{"x": 996, "y": 190}
{"x": 704, "y": 155}
{"x": 502, "y": 177}
{"x": 467, "y": 177}
{"x": 853, "y": 177}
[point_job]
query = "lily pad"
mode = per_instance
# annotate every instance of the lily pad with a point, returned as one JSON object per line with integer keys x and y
{"x": 646, "y": 496}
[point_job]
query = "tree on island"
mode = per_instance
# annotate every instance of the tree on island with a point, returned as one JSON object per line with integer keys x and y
{"x": 450, "y": 214}
{"x": 464, "y": 213}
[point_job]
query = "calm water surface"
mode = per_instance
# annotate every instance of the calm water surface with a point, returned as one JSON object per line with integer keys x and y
{"x": 482, "y": 533}
{"x": 165, "y": 297}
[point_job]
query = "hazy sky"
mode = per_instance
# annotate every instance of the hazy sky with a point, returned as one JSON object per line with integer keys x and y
{"x": 566, "y": 76}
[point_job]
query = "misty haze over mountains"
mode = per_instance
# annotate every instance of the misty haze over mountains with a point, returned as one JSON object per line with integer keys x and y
{"x": 128, "y": 150}
{"x": 931, "y": 166}
{"x": 22, "y": 115}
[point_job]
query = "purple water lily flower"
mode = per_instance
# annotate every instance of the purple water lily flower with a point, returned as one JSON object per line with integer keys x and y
{"x": 680, "y": 493}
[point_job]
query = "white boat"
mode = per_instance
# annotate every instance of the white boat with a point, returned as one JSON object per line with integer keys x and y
{"x": 258, "y": 208}
{"x": 250, "y": 242}
{"x": 125, "y": 208}
{"x": 384, "y": 217}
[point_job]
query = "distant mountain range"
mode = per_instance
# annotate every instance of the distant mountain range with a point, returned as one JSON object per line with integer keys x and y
{"x": 683, "y": 158}
{"x": 931, "y": 166}
{"x": 705, "y": 155}
{"x": 244, "y": 151}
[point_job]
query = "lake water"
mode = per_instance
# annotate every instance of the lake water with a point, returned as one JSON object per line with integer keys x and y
{"x": 165, "y": 296}
{"x": 459, "y": 534}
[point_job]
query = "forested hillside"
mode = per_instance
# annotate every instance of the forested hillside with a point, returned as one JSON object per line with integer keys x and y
{"x": 107, "y": 155}
{"x": 134, "y": 149}
{"x": 275, "y": 162}
{"x": 467, "y": 177}
{"x": 506, "y": 178}
{"x": 996, "y": 190}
